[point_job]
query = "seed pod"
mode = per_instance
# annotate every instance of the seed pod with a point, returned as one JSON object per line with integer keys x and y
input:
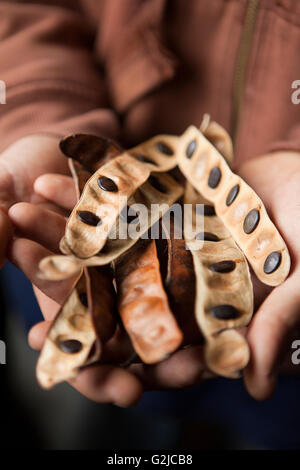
{"x": 143, "y": 303}
{"x": 218, "y": 137}
{"x": 86, "y": 319}
{"x": 158, "y": 153}
{"x": 90, "y": 151}
{"x": 70, "y": 341}
{"x": 154, "y": 204}
{"x": 238, "y": 206}
{"x": 224, "y": 293}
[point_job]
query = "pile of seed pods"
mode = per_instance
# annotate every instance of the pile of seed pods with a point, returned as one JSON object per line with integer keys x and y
{"x": 166, "y": 292}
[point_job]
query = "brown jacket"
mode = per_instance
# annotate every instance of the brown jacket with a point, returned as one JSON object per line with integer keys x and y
{"x": 130, "y": 69}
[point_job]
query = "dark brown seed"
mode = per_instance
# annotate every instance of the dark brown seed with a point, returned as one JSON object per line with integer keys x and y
{"x": 223, "y": 266}
{"x": 251, "y": 221}
{"x": 107, "y": 184}
{"x": 224, "y": 312}
{"x": 214, "y": 177}
{"x": 144, "y": 159}
{"x": 272, "y": 262}
{"x": 164, "y": 148}
{"x": 128, "y": 219}
{"x": 232, "y": 194}
{"x": 157, "y": 184}
{"x": 70, "y": 346}
{"x": 190, "y": 150}
{"x": 207, "y": 237}
{"x": 83, "y": 299}
{"x": 89, "y": 218}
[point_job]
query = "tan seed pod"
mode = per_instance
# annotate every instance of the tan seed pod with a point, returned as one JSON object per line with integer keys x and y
{"x": 237, "y": 205}
{"x": 101, "y": 201}
{"x": 154, "y": 202}
{"x": 70, "y": 341}
{"x": 224, "y": 293}
{"x": 158, "y": 153}
{"x": 143, "y": 304}
{"x": 218, "y": 137}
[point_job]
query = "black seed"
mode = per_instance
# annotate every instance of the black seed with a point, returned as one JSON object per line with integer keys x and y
{"x": 107, "y": 184}
{"x": 164, "y": 148}
{"x": 272, "y": 262}
{"x": 83, "y": 299}
{"x": 129, "y": 218}
{"x": 224, "y": 312}
{"x": 157, "y": 184}
{"x": 70, "y": 346}
{"x": 251, "y": 221}
{"x": 89, "y": 218}
{"x": 190, "y": 150}
{"x": 144, "y": 159}
{"x": 207, "y": 237}
{"x": 223, "y": 266}
{"x": 232, "y": 194}
{"x": 214, "y": 177}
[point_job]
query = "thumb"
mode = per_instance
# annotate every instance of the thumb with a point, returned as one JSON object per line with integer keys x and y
{"x": 269, "y": 335}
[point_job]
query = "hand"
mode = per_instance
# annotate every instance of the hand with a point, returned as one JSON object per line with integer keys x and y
{"x": 20, "y": 165}
{"x": 276, "y": 178}
{"x": 42, "y": 230}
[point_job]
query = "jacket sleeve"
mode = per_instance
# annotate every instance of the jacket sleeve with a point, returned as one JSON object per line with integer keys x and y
{"x": 52, "y": 82}
{"x": 292, "y": 142}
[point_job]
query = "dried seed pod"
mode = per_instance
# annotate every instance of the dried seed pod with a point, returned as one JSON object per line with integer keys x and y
{"x": 143, "y": 304}
{"x": 99, "y": 206}
{"x": 70, "y": 341}
{"x": 158, "y": 153}
{"x": 86, "y": 319}
{"x": 179, "y": 279}
{"x": 224, "y": 293}
{"x": 89, "y": 150}
{"x": 238, "y": 206}
{"x": 154, "y": 204}
{"x": 218, "y": 137}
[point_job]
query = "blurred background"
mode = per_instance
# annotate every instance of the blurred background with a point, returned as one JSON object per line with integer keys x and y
{"x": 216, "y": 415}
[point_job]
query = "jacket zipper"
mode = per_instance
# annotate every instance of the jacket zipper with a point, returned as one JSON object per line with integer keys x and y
{"x": 241, "y": 63}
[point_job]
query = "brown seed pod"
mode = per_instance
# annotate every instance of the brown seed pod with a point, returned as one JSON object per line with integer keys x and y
{"x": 153, "y": 203}
{"x": 179, "y": 279}
{"x": 224, "y": 293}
{"x": 143, "y": 303}
{"x": 89, "y": 150}
{"x": 237, "y": 205}
{"x": 218, "y": 137}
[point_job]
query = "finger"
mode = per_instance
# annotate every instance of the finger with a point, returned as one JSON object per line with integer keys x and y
{"x": 5, "y": 236}
{"x": 38, "y": 224}
{"x": 108, "y": 384}
{"x": 184, "y": 368}
{"x": 26, "y": 255}
{"x": 37, "y": 334}
{"x": 268, "y": 336}
{"x": 59, "y": 189}
{"x": 48, "y": 306}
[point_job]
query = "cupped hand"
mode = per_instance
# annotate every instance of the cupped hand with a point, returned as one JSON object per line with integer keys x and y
{"x": 40, "y": 231}
{"x": 276, "y": 179}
